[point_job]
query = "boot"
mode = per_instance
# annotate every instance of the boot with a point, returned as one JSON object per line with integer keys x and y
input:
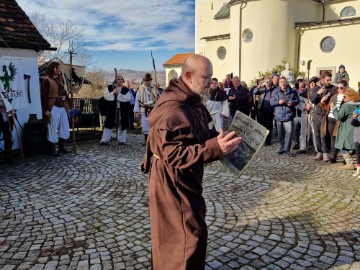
{"x": 62, "y": 149}
{"x": 52, "y": 149}
{"x": 319, "y": 156}
{"x": 349, "y": 163}
{"x": 357, "y": 170}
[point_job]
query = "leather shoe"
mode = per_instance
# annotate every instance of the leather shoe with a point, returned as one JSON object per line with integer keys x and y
{"x": 280, "y": 152}
{"x": 289, "y": 154}
{"x": 296, "y": 147}
{"x": 300, "y": 151}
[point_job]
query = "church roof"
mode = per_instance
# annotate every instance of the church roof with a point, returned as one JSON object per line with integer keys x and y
{"x": 177, "y": 59}
{"x": 17, "y": 31}
{"x": 223, "y": 13}
{"x": 329, "y": 22}
{"x": 233, "y": 2}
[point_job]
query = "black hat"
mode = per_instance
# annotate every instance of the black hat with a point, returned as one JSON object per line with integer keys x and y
{"x": 147, "y": 77}
{"x": 314, "y": 79}
{"x": 342, "y": 66}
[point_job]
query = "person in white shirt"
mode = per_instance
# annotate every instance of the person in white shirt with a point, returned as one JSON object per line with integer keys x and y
{"x": 145, "y": 100}
{"x": 118, "y": 111}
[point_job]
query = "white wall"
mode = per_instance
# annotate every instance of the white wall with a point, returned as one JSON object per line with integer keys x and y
{"x": 28, "y": 62}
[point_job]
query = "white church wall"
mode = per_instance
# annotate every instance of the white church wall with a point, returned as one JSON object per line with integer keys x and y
{"x": 345, "y": 51}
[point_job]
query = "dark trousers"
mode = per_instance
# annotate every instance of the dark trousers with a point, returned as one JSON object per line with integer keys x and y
{"x": 331, "y": 124}
{"x": 319, "y": 136}
{"x": 297, "y": 129}
{"x": 7, "y": 129}
{"x": 131, "y": 117}
{"x": 357, "y": 149}
{"x": 266, "y": 119}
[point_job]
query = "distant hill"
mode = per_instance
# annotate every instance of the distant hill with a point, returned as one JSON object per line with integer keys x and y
{"x": 100, "y": 83}
{"x": 136, "y": 76}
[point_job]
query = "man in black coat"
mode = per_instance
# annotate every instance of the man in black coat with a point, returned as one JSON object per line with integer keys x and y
{"x": 239, "y": 98}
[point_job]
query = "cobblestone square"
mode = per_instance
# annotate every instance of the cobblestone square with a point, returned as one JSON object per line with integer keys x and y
{"x": 90, "y": 211}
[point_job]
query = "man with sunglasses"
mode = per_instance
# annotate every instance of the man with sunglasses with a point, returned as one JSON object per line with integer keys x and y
{"x": 319, "y": 119}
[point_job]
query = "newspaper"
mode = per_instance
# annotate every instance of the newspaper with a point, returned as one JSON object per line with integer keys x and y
{"x": 253, "y": 137}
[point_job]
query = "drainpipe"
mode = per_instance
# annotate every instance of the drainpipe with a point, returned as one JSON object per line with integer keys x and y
{"x": 298, "y": 47}
{"x": 323, "y": 6}
{"x": 240, "y": 41}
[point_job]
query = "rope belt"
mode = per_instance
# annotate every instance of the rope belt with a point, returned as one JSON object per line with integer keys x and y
{"x": 156, "y": 156}
{"x": 60, "y": 97}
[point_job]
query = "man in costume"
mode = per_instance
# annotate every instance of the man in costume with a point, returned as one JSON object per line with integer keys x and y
{"x": 55, "y": 108}
{"x": 118, "y": 111}
{"x": 6, "y": 128}
{"x": 145, "y": 100}
{"x": 179, "y": 145}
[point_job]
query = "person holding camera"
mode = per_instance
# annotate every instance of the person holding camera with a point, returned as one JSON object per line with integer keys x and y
{"x": 345, "y": 135}
{"x": 319, "y": 118}
{"x": 239, "y": 98}
{"x": 284, "y": 100}
{"x": 331, "y": 123}
{"x": 265, "y": 112}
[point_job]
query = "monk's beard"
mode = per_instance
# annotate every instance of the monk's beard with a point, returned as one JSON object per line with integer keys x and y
{"x": 205, "y": 95}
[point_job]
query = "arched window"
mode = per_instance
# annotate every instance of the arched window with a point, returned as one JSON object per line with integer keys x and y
{"x": 348, "y": 11}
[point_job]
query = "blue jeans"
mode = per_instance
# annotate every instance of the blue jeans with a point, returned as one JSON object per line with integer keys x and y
{"x": 285, "y": 131}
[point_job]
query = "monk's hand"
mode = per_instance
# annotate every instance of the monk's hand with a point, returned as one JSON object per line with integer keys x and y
{"x": 227, "y": 143}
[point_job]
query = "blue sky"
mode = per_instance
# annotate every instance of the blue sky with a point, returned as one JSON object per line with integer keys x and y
{"x": 121, "y": 33}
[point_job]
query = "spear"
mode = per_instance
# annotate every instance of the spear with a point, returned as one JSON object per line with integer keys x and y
{"x": 153, "y": 62}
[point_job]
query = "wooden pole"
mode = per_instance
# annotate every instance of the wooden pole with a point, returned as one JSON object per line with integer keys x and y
{"x": 71, "y": 52}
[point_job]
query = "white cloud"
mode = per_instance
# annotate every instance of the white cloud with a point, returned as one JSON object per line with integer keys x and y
{"x": 124, "y": 24}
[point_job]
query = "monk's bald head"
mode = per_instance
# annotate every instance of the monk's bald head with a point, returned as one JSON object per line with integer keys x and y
{"x": 197, "y": 72}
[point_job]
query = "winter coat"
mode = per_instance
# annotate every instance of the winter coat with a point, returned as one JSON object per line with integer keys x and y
{"x": 356, "y": 123}
{"x": 283, "y": 112}
{"x": 341, "y": 76}
{"x": 345, "y": 134}
{"x": 242, "y": 101}
{"x": 316, "y": 98}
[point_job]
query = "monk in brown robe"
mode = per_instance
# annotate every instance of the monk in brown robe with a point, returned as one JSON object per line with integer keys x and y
{"x": 178, "y": 146}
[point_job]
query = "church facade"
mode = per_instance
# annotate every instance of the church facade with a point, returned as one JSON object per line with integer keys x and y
{"x": 244, "y": 37}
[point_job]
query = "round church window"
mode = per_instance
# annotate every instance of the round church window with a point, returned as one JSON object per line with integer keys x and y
{"x": 221, "y": 52}
{"x": 327, "y": 44}
{"x": 247, "y": 35}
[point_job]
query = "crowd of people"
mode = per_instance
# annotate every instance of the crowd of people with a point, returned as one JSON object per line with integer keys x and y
{"x": 318, "y": 113}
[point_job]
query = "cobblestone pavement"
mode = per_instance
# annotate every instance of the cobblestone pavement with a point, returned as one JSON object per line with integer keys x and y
{"x": 89, "y": 211}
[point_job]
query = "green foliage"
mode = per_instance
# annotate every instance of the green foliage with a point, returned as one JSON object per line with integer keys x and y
{"x": 277, "y": 69}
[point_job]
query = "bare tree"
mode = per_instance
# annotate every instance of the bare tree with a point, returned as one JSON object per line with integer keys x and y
{"x": 58, "y": 35}
{"x": 97, "y": 86}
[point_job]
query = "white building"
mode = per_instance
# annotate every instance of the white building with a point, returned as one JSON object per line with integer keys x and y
{"x": 20, "y": 42}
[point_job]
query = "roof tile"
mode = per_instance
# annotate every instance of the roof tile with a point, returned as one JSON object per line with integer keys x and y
{"x": 16, "y": 29}
{"x": 177, "y": 59}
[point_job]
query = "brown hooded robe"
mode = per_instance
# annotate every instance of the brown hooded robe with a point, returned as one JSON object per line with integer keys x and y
{"x": 178, "y": 146}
